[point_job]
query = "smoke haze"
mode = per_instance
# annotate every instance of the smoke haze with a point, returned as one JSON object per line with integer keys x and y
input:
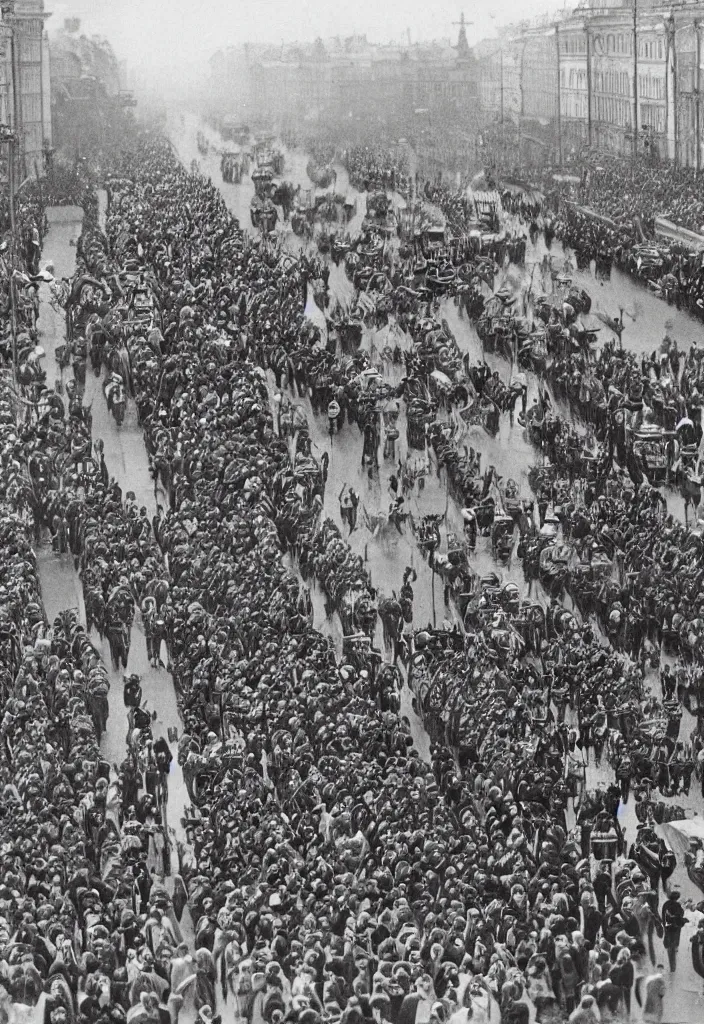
{"x": 166, "y": 43}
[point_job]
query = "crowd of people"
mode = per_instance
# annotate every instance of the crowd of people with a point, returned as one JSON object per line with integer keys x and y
{"x": 371, "y": 168}
{"x": 610, "y": 218}
{"x": 331, "y": 873}
{"x": 83, "y": 904}
{"x": 256, "y": 679}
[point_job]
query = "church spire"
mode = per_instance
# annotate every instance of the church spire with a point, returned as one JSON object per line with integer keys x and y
{"x": 462, "y": 47}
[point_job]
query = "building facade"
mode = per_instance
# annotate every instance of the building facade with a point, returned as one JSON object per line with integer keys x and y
{"x": 25, "y": 103}
{"x": 622, "y": 79}
{"x": 350, "y": 82}
{"x": 88, "y": 98}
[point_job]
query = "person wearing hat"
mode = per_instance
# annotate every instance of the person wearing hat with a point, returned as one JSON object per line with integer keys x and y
{"x": 673, "y": 919}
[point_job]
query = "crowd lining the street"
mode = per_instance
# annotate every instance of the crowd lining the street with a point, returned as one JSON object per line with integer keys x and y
{"x": 330, "y": 873}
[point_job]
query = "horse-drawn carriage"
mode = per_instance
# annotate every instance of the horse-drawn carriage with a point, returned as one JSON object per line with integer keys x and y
{"x": 497, "y": 333}
{"x": 440, "y": 277}
{"x": 350, "y": 329}
{"x": 232, "y": 167}
{"x": 530, "y": 622}
{"x": 533, "y": 351}
{"x": 142, "y": 306}
{"x": 502, "y": 535}
{"x": 322, "y": 177}
{"x": 426, "y": 530}
{"x": 303, "y": 217}
{"x": 420, "y": 414}
{"x": 653, "y": 854}
{"x": 650, "y": 450}
{"x": 488, "y": 597}
{"x": 264, "y": 214}
{"x": 588, "y": 576}
{"x": 262, "y": 178}
{"x": 556, "y": 564}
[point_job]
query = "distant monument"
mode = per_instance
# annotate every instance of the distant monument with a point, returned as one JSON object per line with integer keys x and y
{"x": 463, "y": 51}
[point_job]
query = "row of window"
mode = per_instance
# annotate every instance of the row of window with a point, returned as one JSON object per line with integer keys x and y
{"x": 652, "y": 118}
{"x": 621, "y": 43}
{"x": 651, "y": 49}
{"x": 612, "y": 82}
{"x": 612, "y": 110}
{"x": 573, "y": 44}
{"x": 577, "y": 80}
{"x": 575, "y": 106}
{"x": 652, "y": 88}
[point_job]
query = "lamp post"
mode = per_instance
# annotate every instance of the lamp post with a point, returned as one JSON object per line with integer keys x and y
{"x": 697, "y": 98}
{"x": 635, "y": 79}
{"x": 559, "y": 97}
{"x": 589, "y": 83}
{"x": 9, "y": 137}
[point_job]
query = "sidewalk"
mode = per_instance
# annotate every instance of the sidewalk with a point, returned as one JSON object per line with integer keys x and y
{"x": 61, "y": 585}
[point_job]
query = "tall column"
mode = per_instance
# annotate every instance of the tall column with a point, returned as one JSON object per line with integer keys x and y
{"x": 635, "y": 79}
{"x": 559, "y": 96}
{"x": 697, "y": 98}
{"x": 671, "y": 129}
{"x": 589, "y": 85}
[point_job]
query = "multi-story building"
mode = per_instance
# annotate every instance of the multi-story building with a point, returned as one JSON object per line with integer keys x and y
{"x": 499, "y": 78}
{"x": 87, "y": 92}
{"x": 348, "y": 81}
{"x": 572, "y": 40}
{"x": 622, "y": 78}
{"x": 25, "y": 98}
{"x": 539, "y": 88}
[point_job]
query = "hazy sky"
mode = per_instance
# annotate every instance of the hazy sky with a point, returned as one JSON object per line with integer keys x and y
{"x": 156, "y": 32}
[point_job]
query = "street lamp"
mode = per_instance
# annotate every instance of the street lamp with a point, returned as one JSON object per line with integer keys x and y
{"x": 9, "y": 137}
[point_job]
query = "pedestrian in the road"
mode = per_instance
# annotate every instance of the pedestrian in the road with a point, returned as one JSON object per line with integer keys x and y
{"x": 654, "y": 994}
{"x": 673, "y": 919}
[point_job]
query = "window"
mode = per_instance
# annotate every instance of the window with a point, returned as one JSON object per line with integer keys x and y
{"x": 609, "y": 44}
